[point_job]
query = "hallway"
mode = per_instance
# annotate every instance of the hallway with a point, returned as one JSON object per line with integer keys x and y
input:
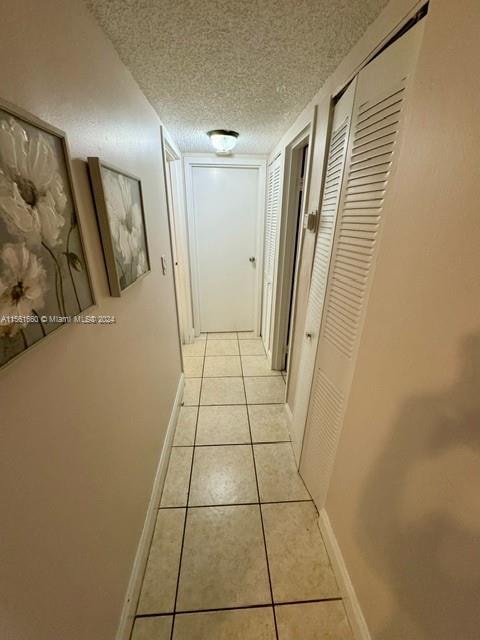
{"x": 239, "y": 324}
{"x": 236, "y": 530}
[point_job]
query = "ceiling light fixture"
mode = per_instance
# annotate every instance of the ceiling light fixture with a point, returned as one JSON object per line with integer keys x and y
{"x": 223, "y": 141}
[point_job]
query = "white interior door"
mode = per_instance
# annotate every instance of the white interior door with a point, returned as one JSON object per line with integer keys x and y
{"x": 369, "y": 171}
{"x": 270, "y": 246}
{"x": 225, "y": 210}
{"x": 326, "y": 228}
{"x": 178, "y": 230}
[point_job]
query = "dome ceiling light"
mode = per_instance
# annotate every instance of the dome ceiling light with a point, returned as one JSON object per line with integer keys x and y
{"x": 223, "y": 141}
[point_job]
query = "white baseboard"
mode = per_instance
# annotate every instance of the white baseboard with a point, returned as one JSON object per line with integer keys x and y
{"x": 190, "y": 336}
{"x": 127, "y": 617}
{"x": 350, "y": 600}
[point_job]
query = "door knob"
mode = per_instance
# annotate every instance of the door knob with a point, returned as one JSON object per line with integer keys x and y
{"x": 309, "y": 335}
{"x": 251, "y": 259}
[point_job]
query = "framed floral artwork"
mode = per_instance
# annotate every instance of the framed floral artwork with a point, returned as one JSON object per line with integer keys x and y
{"x": 44, "y": 279}
{"x": 121, "y": 217}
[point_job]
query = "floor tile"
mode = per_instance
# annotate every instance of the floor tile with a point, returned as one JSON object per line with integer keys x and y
{"x": 223, "y": 425}
{"x": 299, "y": 564}
{"x": 223, "y": 475}
{"x": 193, "y": 366}
{"x": 252, "y": 347}
{"x": 257, "y": 366}
{"x": 278, "y": 478}
{"x": 219, "y": 366}
{"x": 196, "y": 348}
{"x": 160, "y": 580}
{"x": 222, "y": 391}
{"x": 156, "y": 628}
{"x": 268, "y": 422}
{"x": 246, "y": 335}
{"x": 238, "y": 624}
{"x": 223, "y": 562}
{"x": 265, "y": 390}
{"x": 191, "y": 393}
{"x": 175, "y": 490}
{"x": 223, "y": 335}
{"x": 222, "y": 348}
{"x": 185, "y": 430}
{"x": 313, "y": 621}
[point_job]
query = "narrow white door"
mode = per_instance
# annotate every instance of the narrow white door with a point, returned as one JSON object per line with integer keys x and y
{"x": 225, "y": 209}
{"x": 328, "y": 215}
{"x": 178, "y": 231}
{"x": 270, "y": 246}
{"x": 377, "y": 125}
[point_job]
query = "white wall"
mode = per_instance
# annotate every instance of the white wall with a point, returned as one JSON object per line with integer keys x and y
{"x": 83, "y": 415}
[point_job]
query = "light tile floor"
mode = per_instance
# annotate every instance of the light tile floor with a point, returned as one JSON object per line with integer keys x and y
{"x": 236, "y": 553}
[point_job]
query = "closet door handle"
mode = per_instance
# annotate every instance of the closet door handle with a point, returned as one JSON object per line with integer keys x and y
{"x": 252, "y": 259}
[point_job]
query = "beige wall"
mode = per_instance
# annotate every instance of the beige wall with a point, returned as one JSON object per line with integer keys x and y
{"x": 83, "y": 415}
{"x": 404, "y": 497}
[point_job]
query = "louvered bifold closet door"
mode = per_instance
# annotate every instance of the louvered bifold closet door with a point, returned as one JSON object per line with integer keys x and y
{"x": 270, "y": 245}
{"x": 371, "y": 159}
{"x": 337, "y": 152}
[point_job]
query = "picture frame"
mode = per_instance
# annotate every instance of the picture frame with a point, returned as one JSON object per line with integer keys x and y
{"x": 45, "y": 280}
{"x": 118, "y": 200}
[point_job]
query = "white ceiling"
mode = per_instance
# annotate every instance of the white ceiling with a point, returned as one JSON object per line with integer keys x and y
{"x": 248, "y": 65}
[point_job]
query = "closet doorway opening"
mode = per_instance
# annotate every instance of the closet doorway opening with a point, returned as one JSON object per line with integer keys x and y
{"x": 296, "y": 171}
{"x": 299, "y": 199}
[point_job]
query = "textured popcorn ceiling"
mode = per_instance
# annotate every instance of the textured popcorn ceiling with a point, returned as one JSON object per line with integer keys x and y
{"x": 248, "y": 65}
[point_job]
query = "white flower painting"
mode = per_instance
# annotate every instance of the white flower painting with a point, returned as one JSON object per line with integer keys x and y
{"x": 23, "y": 284}
{"x": 118, "y": 199}
{"x": 43, "y": 275}
{"x": 32, "y": 196}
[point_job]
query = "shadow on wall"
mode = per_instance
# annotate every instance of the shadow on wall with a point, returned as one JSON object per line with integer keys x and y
{"x": 419, "y": 516}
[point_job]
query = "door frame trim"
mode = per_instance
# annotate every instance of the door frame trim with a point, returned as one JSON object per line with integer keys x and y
{"x": 285, "y": 274}
{"x": 173, "y": 171}
{"x": 190, "y": 161}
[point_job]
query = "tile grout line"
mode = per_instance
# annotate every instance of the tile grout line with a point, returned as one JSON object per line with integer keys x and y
{"x": 229, "y": 404}
{"x": 236, "y": 376}
{"x": 172, "y": 630}
{"x": 230, "y": 444}
{"x": 259, "y": 505}
{"x": 242, "y": 606}
{"x": 237, "y": 504}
